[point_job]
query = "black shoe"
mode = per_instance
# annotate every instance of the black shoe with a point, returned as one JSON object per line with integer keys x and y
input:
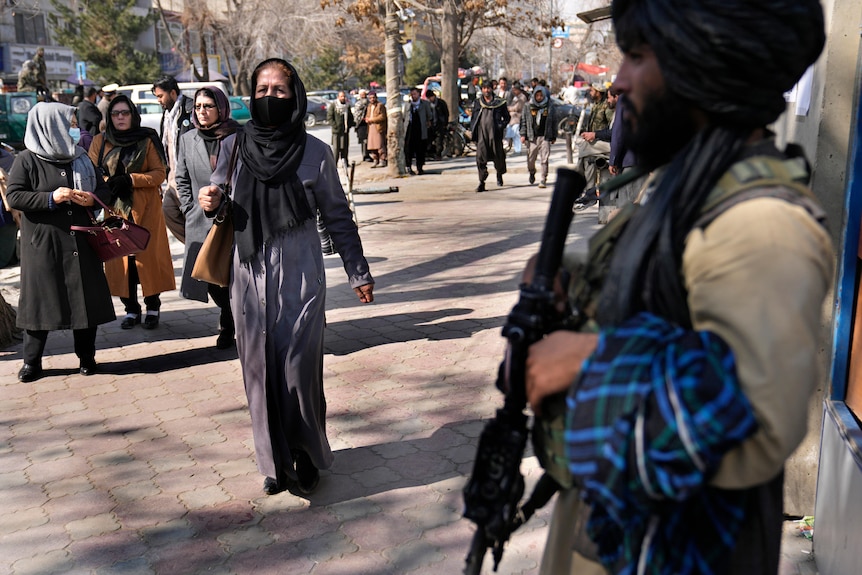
{"x": 420, "y": 171}
{"x": 480, "y": 187}
{"x": 88, "y": 366}
{"x": 225, "y": 339}
{"x": 151, "y": 321}
{"x": 30, "y": 372}
{"x": 306, "y": 472}
{"x": 499, "y": 180}
{"x": 410, "y": 171}
{"x": 532, "y": 178}
{"x": 271, "y": 486}
{"x": 130, "y": 321}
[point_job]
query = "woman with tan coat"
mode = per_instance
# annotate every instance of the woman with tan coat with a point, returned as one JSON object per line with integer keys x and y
{"x": 375, "y": 117}
{"x": 133, "y": 160}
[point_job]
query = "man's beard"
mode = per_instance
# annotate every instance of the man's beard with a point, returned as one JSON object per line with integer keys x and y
{"x": 660, "y": 130}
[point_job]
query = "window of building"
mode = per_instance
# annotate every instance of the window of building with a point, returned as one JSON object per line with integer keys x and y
{"x": 30, "y": 28}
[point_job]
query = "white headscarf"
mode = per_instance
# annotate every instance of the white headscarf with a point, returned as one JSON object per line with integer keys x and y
{"x": 47, "y": 136}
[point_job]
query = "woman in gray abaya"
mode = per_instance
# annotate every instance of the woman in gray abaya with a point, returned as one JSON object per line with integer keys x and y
{"x": 280, "y": 177}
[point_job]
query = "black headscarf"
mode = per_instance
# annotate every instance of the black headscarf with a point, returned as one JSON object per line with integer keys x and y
{"x": 269, "y": 198}
{"x": 224, "y": 126}
{"x": 733, "y": 59}
{"x": 130, "y": 146}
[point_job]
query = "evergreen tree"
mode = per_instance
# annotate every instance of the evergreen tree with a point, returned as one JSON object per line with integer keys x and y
{"x": 424, "y": 62}
{"x": 324, "y": 71}
{"x": 102, "y": 33}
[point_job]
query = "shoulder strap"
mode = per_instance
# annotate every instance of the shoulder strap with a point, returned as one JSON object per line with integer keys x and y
{"x": 758, "y": 177}
{"x": 754, "y": 177}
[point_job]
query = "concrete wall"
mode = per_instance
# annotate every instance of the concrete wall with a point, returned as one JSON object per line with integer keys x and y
{"x": 825, "y": 135}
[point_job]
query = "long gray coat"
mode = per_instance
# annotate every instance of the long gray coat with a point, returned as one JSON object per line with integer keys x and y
{"x": 63, "y": 284}
{"x": 193, "y": 172}
{"x": 278, "y": 303}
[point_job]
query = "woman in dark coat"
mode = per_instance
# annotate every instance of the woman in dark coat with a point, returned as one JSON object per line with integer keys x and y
{"x": 63, "y": 285}
{"x": 196, "y": 160}
{"x": 278, "y": 282}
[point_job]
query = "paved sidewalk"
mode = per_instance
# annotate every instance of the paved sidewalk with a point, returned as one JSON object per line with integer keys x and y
{"x": 148, "y": 466}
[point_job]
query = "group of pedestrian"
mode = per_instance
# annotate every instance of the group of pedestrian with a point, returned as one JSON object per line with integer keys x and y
{"x": 280, "y": 178}
{"x": 426, "y": 122}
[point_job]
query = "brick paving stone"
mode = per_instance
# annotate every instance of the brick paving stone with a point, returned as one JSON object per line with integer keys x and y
{"x": 327, "y": 546}
{"x": 94, "y": 553}
{"x": 381, "y": 531}
{"x": 49, "y": 563}
{"x": 191, "y": 556}
{"x": 204, "y": 497}
{"x": 414, "y": 556}
{"x": 23, "y": 519}
{"x": 377, "y": 477}
{"x": 67, "y": 486}
{"x": 92, "y": 526}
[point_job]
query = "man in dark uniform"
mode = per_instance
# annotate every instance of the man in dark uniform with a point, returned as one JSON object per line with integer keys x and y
{"x": 487, "y": 128}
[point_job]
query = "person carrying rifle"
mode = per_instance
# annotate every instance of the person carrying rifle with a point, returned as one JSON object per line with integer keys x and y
{"x": 725, "y": 256}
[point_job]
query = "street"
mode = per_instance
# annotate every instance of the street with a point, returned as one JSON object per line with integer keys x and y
{"x": 148, "y": 466}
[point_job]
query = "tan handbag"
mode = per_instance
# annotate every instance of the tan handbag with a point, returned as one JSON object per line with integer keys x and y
{"x": 214, "y": 260}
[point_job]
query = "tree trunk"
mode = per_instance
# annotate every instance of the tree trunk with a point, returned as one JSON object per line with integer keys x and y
{"x": 7, "y": 323}
{"x": 449, "y": 58}
{"x": 394, "y": 153}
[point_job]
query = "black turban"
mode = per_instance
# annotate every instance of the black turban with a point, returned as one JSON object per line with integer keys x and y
{"x": 732, "y": 58}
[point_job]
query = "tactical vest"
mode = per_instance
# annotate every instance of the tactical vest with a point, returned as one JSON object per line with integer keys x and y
{"x": 753, "y": 177}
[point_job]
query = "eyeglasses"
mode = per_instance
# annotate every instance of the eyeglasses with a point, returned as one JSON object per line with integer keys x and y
{"x": 118, "y": 113}
{"x": 207, "y": 107}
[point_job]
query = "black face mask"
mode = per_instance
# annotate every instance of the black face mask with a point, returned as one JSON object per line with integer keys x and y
{"x": 272, "y": 111}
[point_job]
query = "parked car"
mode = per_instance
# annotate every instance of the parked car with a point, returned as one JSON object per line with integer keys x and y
{"x": 14, "y": 107}
{"x": 405, "y": 96}
{"x": 151, "y": 114}
{"x": 315, "y": 111}
{"x": 239, "y": 109}
{"x": 142, "y": 93}
{"x": 330, "y": 95}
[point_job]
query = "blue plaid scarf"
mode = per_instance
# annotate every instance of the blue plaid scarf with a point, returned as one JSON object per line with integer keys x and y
{"x": 656, "y": 408}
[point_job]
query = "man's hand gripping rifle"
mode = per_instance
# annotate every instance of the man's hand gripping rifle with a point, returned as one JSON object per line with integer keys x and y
{"x": 492, "y": 497}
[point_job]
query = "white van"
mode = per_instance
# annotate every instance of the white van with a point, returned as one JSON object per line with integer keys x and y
{"x": 142, "y": 96}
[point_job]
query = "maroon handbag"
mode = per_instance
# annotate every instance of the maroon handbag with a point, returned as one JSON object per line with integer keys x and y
{"x": 115, "y": 237}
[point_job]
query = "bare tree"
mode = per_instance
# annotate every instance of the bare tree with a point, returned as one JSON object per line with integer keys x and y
{"x": 195, "y": 16}
{"x": 249, "y": 31}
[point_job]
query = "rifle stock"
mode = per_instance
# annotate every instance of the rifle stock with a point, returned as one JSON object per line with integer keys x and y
{"x": 493, "y": 494}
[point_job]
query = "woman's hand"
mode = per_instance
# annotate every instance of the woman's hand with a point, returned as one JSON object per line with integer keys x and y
{"x": 365, "y": 293}
{"x": 554, "y": 362}
{"x": 79, "y": 197}
{"x": 209, "y": 197}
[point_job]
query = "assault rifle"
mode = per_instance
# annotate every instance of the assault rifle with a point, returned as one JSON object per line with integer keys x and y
{"x": 492, "y": 496}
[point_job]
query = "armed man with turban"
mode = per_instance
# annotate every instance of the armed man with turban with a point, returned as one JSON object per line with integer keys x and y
{"x": 691, "y": 389}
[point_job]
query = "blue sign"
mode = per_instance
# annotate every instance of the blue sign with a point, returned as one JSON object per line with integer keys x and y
{"x": 560, "y": 32}
{"x": 81, "y": 70}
